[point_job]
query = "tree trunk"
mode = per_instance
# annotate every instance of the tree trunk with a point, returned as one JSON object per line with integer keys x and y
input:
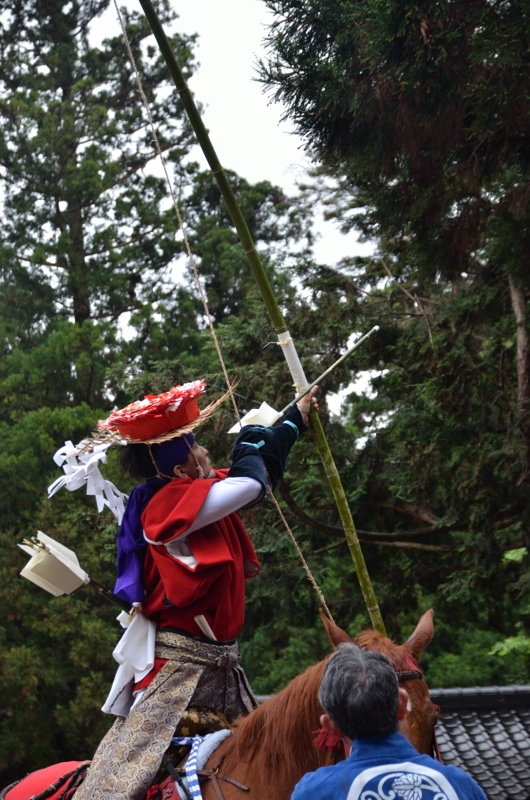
{"x": 519, "y": 306}
{"x": 523, "y": 345}
{"x": 78, "y": 273}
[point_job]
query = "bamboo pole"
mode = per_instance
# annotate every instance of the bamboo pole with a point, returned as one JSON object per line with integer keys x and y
{"x": 326, "y": 372}
{"x": 273, "y": 308}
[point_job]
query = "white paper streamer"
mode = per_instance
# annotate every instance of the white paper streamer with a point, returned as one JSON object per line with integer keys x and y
{"x": 83, "y": 470}
{"x": 293, "y": 361}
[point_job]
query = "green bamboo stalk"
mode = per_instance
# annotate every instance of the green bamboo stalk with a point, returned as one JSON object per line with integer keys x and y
{"x": 271, "y": 304}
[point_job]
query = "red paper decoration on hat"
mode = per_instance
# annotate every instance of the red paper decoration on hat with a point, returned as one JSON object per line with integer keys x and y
{"x": 157, "y": 414}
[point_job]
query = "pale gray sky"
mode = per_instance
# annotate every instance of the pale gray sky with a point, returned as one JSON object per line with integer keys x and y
{"x": 244, "y": 125}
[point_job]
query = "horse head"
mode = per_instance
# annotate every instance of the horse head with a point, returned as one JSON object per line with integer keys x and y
{"x": 418, "y": 725}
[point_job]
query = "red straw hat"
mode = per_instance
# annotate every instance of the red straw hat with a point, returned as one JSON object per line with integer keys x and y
{"x": 156, "y": 415}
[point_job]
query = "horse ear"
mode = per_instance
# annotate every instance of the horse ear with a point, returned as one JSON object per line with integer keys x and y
{"x": 335, "y": 634}
{"x": 421, "y": 638}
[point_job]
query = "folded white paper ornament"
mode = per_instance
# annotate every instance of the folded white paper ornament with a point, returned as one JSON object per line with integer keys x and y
{"x": 53, "y": 566}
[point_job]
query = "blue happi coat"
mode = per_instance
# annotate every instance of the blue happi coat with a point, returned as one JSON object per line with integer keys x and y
{"x": 387, "y": 767}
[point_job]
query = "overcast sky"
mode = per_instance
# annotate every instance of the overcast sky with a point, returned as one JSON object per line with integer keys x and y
{"x": 244, "y": 125}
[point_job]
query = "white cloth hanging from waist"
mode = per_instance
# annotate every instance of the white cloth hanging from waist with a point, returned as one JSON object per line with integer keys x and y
{"x": 135, "y": 653}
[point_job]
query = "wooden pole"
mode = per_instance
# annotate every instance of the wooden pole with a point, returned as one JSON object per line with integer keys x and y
{"x": 273, "y": 308}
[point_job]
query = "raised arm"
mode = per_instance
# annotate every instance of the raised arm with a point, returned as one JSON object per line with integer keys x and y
{"x": 259, "y": 457}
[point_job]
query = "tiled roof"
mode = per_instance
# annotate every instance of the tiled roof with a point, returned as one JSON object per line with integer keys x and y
{"x": 486, "y": 732}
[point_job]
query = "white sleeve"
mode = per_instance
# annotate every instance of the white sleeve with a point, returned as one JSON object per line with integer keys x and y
{"x": 223, "y": 499}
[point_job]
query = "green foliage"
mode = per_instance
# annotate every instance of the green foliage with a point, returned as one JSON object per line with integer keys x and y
{"x": 417, "y": 116}
{"x": 82, "y": 215}
{"x": 433, "y": 453}
{"x": 513, "y": 645}
{"x": 56, "y": 661}
{"x": 515, "y": 555}
{"x": 420, "y": 111}
{"x": 473, "y": 664}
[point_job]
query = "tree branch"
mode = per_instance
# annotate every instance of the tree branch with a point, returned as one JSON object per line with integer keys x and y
{"x": 415, "y": 300}
{"x": 523, "y": 345}
{"x": 419, "y": 512}
{"x": 364, "y": 536}
{"x": 403, "y": 545}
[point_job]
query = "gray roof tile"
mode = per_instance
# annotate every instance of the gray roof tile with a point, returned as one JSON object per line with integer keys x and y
{"x": 486, "y": 732}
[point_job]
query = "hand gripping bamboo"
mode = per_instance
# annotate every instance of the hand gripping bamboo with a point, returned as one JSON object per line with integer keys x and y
{"x": 284, "y": 338}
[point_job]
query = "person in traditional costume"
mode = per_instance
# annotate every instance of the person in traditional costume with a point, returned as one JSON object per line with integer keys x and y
{"x": 183, "y": 558}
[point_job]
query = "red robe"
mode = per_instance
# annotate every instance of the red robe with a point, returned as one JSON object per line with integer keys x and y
{"x": 176, "y": 593}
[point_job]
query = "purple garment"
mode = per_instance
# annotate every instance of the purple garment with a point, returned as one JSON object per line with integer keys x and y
{"x": 131, "y": 542}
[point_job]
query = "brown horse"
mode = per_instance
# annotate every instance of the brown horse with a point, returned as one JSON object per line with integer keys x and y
{"x": 273, "y": 747}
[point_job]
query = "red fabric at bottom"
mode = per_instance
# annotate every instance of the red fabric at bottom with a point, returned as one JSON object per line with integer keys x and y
{"x": 37, "y": 781}
{"x": 149, "y": 678}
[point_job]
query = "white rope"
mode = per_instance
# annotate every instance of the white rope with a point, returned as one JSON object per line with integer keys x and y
{"x": 285, "y": 339}
{"x": 177, "y": 211}
{"x": 301, "y": 555}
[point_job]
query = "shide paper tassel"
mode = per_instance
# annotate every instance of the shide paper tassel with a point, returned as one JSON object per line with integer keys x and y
{"x": 82, "y": 468}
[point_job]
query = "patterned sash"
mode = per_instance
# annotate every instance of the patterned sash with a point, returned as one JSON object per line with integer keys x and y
{"x": 197, "y": 673}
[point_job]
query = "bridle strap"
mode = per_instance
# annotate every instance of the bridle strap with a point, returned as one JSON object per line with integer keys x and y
{"x": 411, "y": 675}
{"x": 408, "y": 675}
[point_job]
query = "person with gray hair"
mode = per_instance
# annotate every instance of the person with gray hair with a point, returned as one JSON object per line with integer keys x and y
{"x": 363, "y": 704}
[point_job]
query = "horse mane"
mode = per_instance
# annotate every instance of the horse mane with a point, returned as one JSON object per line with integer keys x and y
{"x": 374, "y": 640}
{"x": 281, "y": 728}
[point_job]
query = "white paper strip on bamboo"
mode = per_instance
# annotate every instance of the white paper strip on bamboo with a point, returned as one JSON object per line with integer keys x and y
{"x": 53, "y": 566}
{"x": 84, "y": 469}
{"x": 293, "y": 361}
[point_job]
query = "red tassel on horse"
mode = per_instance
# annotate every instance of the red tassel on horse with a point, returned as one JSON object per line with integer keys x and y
{"x": 326, "y": 741}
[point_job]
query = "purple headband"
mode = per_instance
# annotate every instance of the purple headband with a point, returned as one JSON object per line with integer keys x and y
{"x": 173, "y": 452}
